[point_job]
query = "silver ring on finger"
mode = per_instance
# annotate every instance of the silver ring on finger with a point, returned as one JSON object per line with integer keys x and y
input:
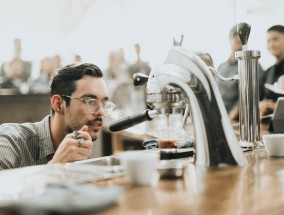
{"x": 80, "y": 141}
{"x": 78, "y": 134}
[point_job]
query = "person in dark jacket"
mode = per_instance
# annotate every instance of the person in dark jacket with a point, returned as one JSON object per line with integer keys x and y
{"x": 275, "y": 45}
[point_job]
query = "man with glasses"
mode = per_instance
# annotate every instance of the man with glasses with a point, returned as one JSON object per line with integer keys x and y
{"x": 79, "y": 101}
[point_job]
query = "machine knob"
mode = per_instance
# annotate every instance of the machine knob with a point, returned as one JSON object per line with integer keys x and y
{"x": 140, "y": 79}
{"x": 243, "y": 30}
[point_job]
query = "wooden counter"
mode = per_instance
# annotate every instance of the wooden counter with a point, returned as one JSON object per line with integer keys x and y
{"x": 257, "y": 188}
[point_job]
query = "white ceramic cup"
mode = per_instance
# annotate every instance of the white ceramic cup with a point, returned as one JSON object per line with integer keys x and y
{"x": 140, "y": 167}
{"x": 274, "y": 144}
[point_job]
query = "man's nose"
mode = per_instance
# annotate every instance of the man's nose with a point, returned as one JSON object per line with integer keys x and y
{"x": 100, "y": 111}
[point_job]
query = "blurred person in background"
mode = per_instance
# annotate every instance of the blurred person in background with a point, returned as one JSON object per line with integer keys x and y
{"x": 275, "y": 45}
{"x": 13, "y": 78}
{"x": 117, "y": 67}
{"x": 139, "y": 65}
{"x": 41, "y": 84}
{"x": 26, "y": 66}
{"x": 128, "y": 98}
{"x": 121, "y": 84}
{"x": 79, "y": 101}
{"x": 77, "y": 58}
{"x": 112, "y": 70}
{"x": 56, "y": 63}
{"x": 206, "y": 57}
{"x": 230, "y": 90}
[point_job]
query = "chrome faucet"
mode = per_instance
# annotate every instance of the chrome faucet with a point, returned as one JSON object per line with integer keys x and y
{"x": 183, "y": 81}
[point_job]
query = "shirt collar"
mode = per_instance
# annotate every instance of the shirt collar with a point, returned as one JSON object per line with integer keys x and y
{"x": 46, "y": 145}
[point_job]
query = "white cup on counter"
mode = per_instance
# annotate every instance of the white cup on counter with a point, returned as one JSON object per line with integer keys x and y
{"x": 274, "y": 144}
{"x": 140, "y": 167}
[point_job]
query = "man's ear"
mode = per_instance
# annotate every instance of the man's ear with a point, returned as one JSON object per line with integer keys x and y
{"x": 57, "y": 104}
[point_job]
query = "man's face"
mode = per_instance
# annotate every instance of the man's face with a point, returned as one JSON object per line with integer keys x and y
{"x": 275, "y": 43}
{"x": 77, "y": 113}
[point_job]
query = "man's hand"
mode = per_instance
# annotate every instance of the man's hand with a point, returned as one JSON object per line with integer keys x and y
{"x": 72, "y": 149}
{"x": 266, "y": 107}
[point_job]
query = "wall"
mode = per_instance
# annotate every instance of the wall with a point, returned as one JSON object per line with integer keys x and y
{"x": 94, "y": 28}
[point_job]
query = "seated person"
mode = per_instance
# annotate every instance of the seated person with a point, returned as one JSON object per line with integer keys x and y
{"x": 275, "y": 45}
{"x": 79, "y": 101}
{"x": 26, "y": 67}
{"x": 139, "y": 66}
{"x": 13, "y": 79}
{"x": 41, "y": 84}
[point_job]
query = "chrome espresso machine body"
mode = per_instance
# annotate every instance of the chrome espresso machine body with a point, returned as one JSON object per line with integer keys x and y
{"x": 185, "y": 84}
{"x": 184, "y": 79}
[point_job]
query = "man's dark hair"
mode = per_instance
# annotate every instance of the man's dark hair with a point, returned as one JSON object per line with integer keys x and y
{"x": 278, "y": 28}
{"x": 63, "y": 83}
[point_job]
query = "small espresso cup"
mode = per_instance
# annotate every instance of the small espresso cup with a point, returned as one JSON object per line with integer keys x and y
{"x": 274, "y": 144}
{"x": 140, "y": 167}
{"x": 168, "y": 138}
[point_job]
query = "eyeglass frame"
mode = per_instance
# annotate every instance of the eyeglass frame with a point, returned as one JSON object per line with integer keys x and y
{"x": 100, "y": 104}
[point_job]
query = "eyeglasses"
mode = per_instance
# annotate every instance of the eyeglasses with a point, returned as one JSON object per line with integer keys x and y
{"x": 93, "y": 105}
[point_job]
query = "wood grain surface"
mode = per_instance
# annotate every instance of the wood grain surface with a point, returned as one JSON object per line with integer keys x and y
{"x": 257, "y": 188}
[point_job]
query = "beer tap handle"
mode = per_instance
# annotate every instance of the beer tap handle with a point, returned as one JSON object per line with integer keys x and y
{"x": 243, "y": 30}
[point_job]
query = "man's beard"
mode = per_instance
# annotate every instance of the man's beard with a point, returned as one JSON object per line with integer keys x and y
{"x": 69, "y": 130}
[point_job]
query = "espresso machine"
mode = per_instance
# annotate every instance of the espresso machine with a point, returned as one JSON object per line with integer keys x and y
{"x": 184, "y": 83}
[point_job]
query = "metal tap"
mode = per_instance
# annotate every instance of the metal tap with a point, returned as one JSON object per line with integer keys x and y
{"x": 248, "y": 76}
{"x": 184, "y": 80}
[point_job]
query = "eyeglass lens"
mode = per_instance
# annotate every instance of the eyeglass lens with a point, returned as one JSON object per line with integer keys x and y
{"x": 93, "y": 106}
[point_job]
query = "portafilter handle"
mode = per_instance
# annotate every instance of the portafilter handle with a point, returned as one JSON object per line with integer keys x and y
{"x": 130, "y": 121}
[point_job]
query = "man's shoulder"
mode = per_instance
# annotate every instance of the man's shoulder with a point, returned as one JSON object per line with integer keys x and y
{"x": 23, "y": 130}
{"x": 269, "y": 72}
{"x": 270, "y": 68}
{"x": 18, "y": 129}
